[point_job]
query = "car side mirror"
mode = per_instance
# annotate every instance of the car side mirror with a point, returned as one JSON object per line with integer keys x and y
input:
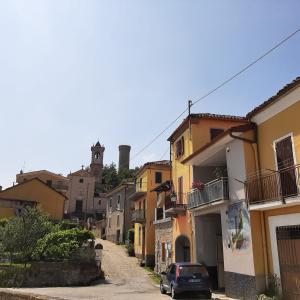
{"x": 163, "y": 273}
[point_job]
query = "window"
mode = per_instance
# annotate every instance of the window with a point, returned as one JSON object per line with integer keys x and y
{"x": 79, "y": 206}
{"x": 81, "y": 180}
{"x": 214, "y": 132}
{"x": 141, "y": 182}
{"x": 180, "y": 189}
{"x": 110, "y": 202}
{"x": 99, "y": 202}
{"x": 49, "y": 182}
{"x": 163, "y": 252}
{"x": 118, "y": 220}
{"x": 158, "y": 177}
{"x": 119, "y": 202}
{"x": 179, "y": 147}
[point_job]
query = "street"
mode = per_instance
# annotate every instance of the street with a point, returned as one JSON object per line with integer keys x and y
{"x": 125, "y": 280}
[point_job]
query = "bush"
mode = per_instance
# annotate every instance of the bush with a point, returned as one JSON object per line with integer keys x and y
{"x": 3, "y": 222}
{"x": 64, "y": 225}
{"x": 59, "y": 245}
{"x": 20, "y": 234}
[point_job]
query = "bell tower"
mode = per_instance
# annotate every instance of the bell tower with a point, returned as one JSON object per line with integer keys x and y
{"x": 96, "y": 165}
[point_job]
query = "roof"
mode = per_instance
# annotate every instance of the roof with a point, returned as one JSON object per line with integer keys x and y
{"x": 287, "y": 88}
{"x": 98, "y": 143}
{"x": 119, "y": 187}
{"x": 158, "y": 163}
{"x": 41, "y": 171}
{"x": 195, "y": 117}
{"x": 82, "y": 173}
{"x": 32, "y": 179}
{"x": 165, "y": 186}
{"x": 137, "y": 195}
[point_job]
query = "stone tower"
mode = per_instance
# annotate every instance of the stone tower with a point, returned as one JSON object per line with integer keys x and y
{"x": 96, "y": 166}
{"x": 124, "y": 156}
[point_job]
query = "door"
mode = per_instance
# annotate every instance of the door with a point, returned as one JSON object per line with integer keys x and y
{"x": 285, "y": 166}
{"x": 288, "y": 243}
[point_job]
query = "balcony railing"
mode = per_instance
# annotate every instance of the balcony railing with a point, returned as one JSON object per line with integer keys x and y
{"x": 138, "y": 216}
{"x": 273, "y": 186}
{"x": 212, "y": 191}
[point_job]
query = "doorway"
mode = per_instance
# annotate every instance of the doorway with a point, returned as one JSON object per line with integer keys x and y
{"x": 182, "y": 249}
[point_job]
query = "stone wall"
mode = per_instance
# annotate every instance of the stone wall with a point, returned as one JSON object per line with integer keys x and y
{"x": 163, "y": 234}
{"x": 43, "y": 274}
{"x": 9, "y": 295}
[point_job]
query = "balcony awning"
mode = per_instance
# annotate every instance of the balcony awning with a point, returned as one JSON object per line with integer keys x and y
{"x": 214, "y": 150}
{"x": 137, "y": 195}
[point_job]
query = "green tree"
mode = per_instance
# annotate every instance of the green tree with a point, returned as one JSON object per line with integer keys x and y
{"x": 111, "y": 177}
{"x": 20, "y": 234}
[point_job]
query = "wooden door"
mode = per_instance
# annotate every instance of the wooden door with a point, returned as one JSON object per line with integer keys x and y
{"x": 288, "y": 243}
{"x": 285, "y": 166}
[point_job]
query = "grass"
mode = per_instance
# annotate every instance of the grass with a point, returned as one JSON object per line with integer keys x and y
{"x": 154, "y": 276}
{"x": 15, "y": 265}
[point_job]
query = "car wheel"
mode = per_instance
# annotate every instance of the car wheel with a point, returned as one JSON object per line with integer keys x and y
{"x": 208, "y": 295}
{"x": 173, "y": 294}
{"x": 162, "y": 289}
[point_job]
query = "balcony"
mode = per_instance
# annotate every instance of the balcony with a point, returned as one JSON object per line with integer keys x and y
{"x": 273, "y": 186}
{"x": 174, "y": 209}
{"x": 138, "y": 216}
{"x": 212, "y": 191}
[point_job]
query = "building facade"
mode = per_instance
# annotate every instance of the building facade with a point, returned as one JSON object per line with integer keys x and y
{"x": 119, "y": 212}
{"x": 34, "y": 193}
{"x": 196, "y": 131}
{"x": 57, "y": 181}
{"x": 273, "y": 191}
{"x": 148, "y": 178}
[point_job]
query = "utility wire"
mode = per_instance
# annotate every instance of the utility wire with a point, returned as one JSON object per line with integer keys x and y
{"x": 218, "y": 87}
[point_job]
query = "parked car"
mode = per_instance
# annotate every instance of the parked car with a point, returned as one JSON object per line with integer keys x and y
{"x": 185, "y": 277}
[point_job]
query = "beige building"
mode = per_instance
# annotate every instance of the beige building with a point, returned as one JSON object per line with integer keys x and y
{"x": 56, "y": 181}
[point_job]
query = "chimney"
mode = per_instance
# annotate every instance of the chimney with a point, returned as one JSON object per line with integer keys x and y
{"x": 124, "y": 156}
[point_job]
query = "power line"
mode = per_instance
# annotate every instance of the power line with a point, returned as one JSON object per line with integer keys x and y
{"x": 218, "y": 87}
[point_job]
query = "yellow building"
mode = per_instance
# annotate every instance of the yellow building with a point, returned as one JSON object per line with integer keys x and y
{"x": 273, "y": 190}
{"x": 33, "y": 192}
{"x": 195, "y": 132}
{"x": 57, "y": 181}
{"x": 148, "y": 177}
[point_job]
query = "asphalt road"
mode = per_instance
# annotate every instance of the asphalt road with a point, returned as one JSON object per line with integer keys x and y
{"x": 125, "y": 280}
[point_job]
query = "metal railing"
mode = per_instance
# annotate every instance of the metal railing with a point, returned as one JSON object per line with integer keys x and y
{"x": 273, "y": 186}
{"x": 173, "y": 204}
{"x": 211, "y": 192}
{"x": 138, "y": 215}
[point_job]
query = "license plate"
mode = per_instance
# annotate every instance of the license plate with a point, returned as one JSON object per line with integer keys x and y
{"x": 194, "y": 280}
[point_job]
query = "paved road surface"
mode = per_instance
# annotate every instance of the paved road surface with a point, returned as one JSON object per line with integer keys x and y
{"x": 125, "y": 280}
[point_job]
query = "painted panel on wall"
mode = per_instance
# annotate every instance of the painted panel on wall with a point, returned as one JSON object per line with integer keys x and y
{"x": 239, "y": 232}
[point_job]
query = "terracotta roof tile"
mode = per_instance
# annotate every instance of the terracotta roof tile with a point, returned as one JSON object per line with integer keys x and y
{"x": 280, "y": 93}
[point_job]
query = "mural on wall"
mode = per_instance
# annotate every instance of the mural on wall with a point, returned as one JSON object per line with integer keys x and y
{"x": 238, "y": 227}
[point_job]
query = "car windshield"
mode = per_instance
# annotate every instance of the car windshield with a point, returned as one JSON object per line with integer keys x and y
{"x": 187, "y": 271}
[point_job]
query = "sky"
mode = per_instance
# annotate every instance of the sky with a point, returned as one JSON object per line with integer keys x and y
{"x": 119, "y": 71}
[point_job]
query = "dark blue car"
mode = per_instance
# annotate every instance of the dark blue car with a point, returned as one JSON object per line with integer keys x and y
{"x": 185, "y": 277}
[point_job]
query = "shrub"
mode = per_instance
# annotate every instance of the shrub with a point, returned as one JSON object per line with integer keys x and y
{"x": 62, "y": 244}
{"x": 66, "y": 224}
{"x": 3, "y": 222}
{"x": 20, "y": 234}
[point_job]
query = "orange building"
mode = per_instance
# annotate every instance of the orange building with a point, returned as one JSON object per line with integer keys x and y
{"x": 148, "y": 178}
